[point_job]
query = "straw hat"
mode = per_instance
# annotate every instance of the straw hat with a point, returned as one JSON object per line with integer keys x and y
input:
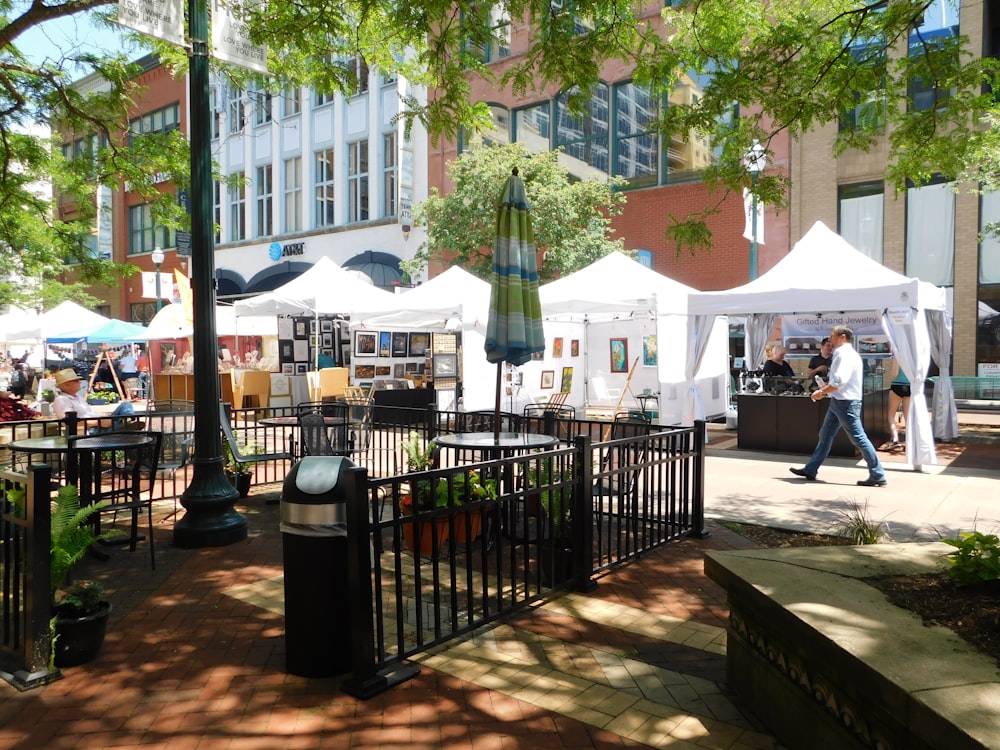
{"x": 66, "y": 375}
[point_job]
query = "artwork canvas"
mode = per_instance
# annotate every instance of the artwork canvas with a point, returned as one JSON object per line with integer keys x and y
{"x": 364, "y": 344}
{"x": 557, "y": 346}
{"x": 397, "y": 370}
{"x": 411, "y": 368}
{"x": 364, "y": 371}
{"x": 326, "y": 326}
{"x": 445, "y": 365}
{"x": 419, "y": 344}
{"x": 301, "y": 368}
{"x": 619, "y": 355}
{"x": 649, "y": 350}
{"x": 574, "y": 348}
{"x": 567, "y": 380}
{"x": 385, "y": 344}
{"x": 548, "y": 378}
{"x": 399, "y": 344}
{"x": 327, "y": 340}
{"x": 287, "y": 368}
{"x": 300, "y": 329}
{"x": 382, "y": 370}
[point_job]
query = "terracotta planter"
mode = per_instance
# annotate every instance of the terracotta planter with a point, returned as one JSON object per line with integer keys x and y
{"x": 475, "y": 526}
{"x": 430, "y": 538}
{"x": 79, "y": 639}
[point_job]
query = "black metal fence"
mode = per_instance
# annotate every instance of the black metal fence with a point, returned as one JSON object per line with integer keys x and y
{"x": 420, "y": 578}
{"x": 25, "y": 531}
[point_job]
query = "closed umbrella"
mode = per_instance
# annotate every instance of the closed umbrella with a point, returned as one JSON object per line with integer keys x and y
{"x": 514, "y": 331}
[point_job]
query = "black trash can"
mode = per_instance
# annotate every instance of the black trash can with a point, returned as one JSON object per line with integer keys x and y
{"x": 314, "y": 552}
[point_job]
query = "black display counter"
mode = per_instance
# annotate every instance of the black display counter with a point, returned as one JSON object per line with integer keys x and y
{"x": 412, "y": 398}
{"x": 790, "y": 424}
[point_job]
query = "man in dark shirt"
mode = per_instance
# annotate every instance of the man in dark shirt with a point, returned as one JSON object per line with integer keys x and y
{"x": 820, "y": 363}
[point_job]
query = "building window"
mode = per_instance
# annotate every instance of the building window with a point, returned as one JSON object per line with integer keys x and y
{"x": 645, "y": 258}
{"x": 144, "y": 234}
{"x": 533, "y": 127}
{"x": 162, "y": 120}
{"x": 688, "y": 155}
{"x": 637, "y": 145}
{"x": 939, "y": 30}
{"x": 989, "y": 248}
{"x": 323, "y": 180}
{"x": 217, "y": 209}
{"x": 585, "y": 138}
{"x": 930, "y": 233}
{"x": 293, "y": 194}
{"x": 236, "y": 106}
{"x": 216, "y": 108}
{"x": 357, "y": 66}
{"x": 291, "y": 101}
{"x": 263, "y": 193}
{"x": 261, "y": 107}
{"x": 357, "y": 181}
{"x": 142, "y": 312}
{"x": 389, "y": 174}
{"x": 238, "y": 209}
{"x": 869, "y": 53}
{"x": 860, "y": 217}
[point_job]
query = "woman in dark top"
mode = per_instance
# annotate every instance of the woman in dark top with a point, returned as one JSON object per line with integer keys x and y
{"x": 776, "y": 365}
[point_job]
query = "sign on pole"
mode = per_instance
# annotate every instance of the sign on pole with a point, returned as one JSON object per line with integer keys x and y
{"x": 230, "y": 37}
{"x": 163, "y": 19}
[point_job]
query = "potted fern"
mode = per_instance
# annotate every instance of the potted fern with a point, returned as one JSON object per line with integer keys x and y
{"x": 80, "y": 614}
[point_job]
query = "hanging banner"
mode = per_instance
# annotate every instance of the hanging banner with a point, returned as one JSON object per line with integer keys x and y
{"x": 163, "y": 19}
{"x": 149, "y": 285}
{"x": 230, "y": 37}
{"x": 748, "y": 215}
{"x": 802, "y": 334}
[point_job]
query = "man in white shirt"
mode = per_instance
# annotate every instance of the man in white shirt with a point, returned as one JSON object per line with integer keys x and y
{"x": 72, "y": 396}
{"x": 845, "y": 390}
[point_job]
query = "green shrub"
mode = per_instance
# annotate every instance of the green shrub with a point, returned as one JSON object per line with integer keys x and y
{"x": 976, "y": 558}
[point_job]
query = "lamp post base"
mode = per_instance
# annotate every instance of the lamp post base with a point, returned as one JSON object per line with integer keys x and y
{"x": 209, "y": 519}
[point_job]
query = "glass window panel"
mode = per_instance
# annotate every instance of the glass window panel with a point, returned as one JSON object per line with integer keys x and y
{"x": 585, "y": 138}
{"x": 930, "y": 233}
{"x": 861, "y": 219}
{"x": 533, "y": 127}
{"x": 989, "y": 249}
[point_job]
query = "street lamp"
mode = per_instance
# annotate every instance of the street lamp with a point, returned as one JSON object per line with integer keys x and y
{"x": 755, "y": 161}
{"x": 157, "y": 257}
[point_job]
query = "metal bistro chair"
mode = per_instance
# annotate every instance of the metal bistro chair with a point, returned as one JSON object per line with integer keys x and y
{"x": 125, "y": 479}
{"x": 323, "y": 431}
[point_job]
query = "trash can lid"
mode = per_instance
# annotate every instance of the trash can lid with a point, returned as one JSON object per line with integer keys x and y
{"x": 315, "y": 475}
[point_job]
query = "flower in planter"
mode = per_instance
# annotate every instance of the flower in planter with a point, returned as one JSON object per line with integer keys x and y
{"x": 458, "y": 489}
{"x": 83, "y": 597}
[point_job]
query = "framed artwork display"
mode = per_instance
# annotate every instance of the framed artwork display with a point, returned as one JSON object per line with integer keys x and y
{"x": 397, "y": 370}
{"x": 548, "y": 378}
{"x": 399, "y": 344}
{"x": 364, "y": 371}
{"x": 382, "y": 370}
{"x": 301, "y": 368}
{"x": 419, "y": 344}
{"x": 619, "y": 355}
{"x": 287, "y": 352}
{"x": 649, "y": 350}
{"x": 411, "y": 368}
{"x": 364, "y": 344}
{"x": 300, "y": 329}
{"x": 327, "y": 340}
{"x": 567, "y": 380}
{"x": 574, "y": 347}
{"x": 287, "y": 368}
{"x": 445, "y": 365}
{"x": 385, "y": 344}
{"x": 312, "y": 325}
{"x": 326, "y": 326}
{"x": 557, "y": 344}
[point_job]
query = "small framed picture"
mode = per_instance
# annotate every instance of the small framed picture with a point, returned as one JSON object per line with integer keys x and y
{"x": 300, "y": 329}
{"x": 419, "y": 344}
{"x": 327, "y": 340}
{"x": 301, "y": 368}
{"x": 326, "y": 326}
{"x": 382, "y": 370}
{"x": 312, "y": 325}
{"x": 411, "y": 368}
{"x": 557, "y": 346}
{"x": 287, "y": 352}
{"x": 445, "y": 365}
{"x": 574, "y": 347}
{"x": 649, "y": 350}
{"x": 397, "y": 370}
{"x": 548, "y": 378}
{"x": 384, "y": 344}
{"x": 287, "y": 368}
{"x": 399, "y": 344}
{"x": 567, "y": 380}
{"x": 619, "y": 355}
{"x": 365, "y": 344}
{"x": 364, "y": 371}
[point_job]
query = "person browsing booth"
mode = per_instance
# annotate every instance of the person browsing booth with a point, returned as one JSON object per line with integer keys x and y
{"x": 72, "y": 396}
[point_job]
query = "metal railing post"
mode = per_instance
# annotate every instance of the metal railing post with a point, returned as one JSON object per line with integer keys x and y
{"x": 699, "y": 438}
{"x": 583, "y": 517}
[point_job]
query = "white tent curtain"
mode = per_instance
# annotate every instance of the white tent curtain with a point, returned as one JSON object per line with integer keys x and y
{"x": 758, "y": 328}
{"x": 939, "y": 325}
{"x": 699, "y": 332}
{"x": 911, "y": 343}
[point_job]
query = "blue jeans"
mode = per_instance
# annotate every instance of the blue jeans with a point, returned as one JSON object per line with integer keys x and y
{"x": 846, "y": 414}
{"x": 124, "y": 409}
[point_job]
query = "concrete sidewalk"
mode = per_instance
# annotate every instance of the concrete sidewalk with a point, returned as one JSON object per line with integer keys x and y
{"x": 939, "y": 501}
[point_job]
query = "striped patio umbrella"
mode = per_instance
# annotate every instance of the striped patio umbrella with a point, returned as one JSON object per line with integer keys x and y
{"x": 514, "y": 331}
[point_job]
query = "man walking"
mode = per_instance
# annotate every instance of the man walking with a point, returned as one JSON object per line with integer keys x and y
{"x": 845, "y": 390}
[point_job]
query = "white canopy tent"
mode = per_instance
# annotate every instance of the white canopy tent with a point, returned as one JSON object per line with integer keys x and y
{"x": 171, "y": 323}
{"x": 617, "y": 297}
{"x": 451, "y": 301}
{"x": 65, "y": 317}
{"x": 824, "y": 274}
{"x": 324, "y": 289}
{"x": 20, "y": 326}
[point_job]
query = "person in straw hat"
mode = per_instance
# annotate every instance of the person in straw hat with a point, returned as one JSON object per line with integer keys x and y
{"x": 72, "y": 396}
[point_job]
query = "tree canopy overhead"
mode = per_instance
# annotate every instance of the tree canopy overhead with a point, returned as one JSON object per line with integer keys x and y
{"x": 570, "y": 219}
{"x": 790, "y": 66}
